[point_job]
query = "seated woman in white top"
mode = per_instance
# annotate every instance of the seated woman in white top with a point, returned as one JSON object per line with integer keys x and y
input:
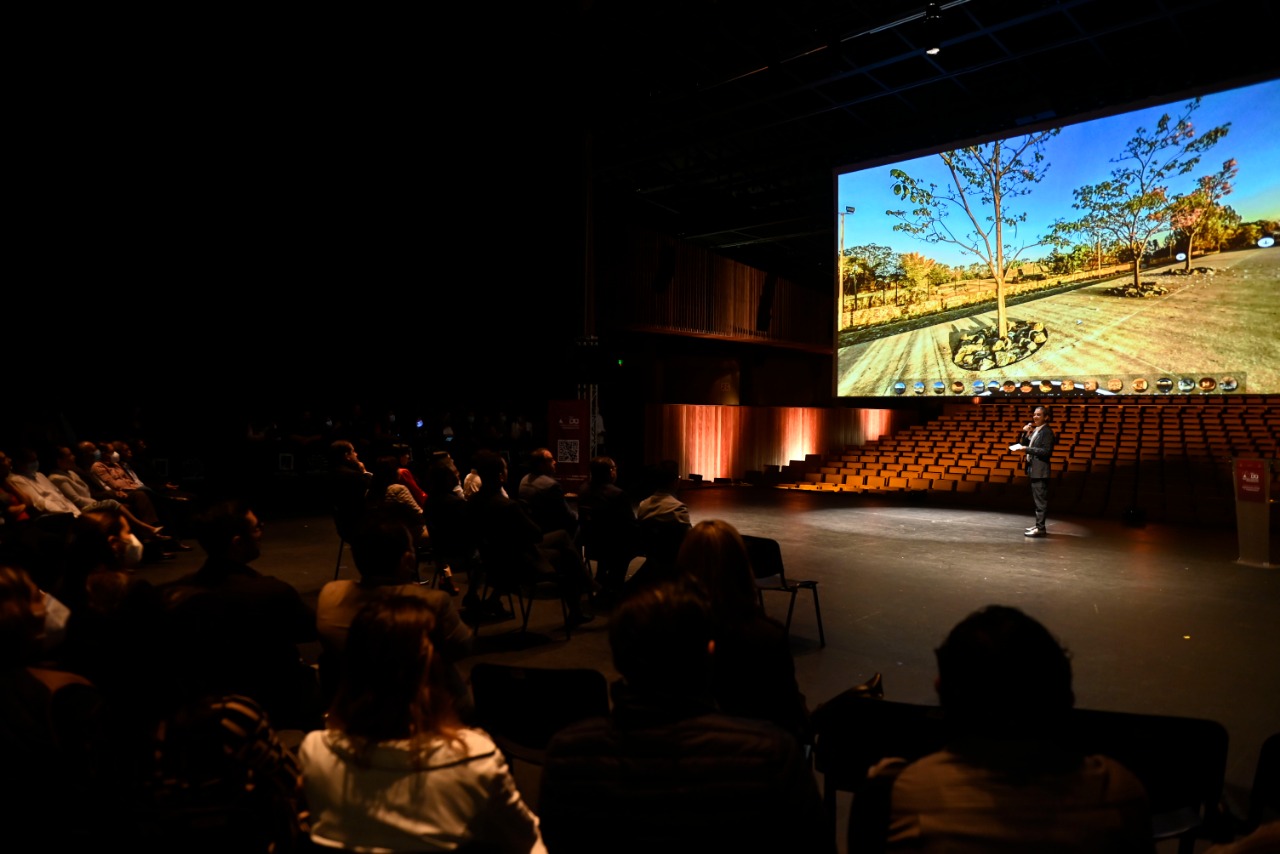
{"x": 395, "y": 770}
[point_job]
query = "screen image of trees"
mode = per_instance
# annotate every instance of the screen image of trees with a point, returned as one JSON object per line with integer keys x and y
{"x": 1137, "y": 246}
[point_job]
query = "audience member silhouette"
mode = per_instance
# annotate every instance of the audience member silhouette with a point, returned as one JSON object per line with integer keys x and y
{"x": 72, "y": 484}
{"x": 100, "y": 464}
{"x": 114, "y": 631}
{"x": 663, "y": 521}
{"x": 388, "y": 495}
{"x": 667, "y": 770}
{"x": 239, "y": 630}
{"x": 221, "y": 780}
{"x": 54, "y": 787}
{"x": 403, "y": 454}
{"x": 385, "y": 556}
{"x": 41, "y": 495}
{"x": 514, "y": 549}
{"x": 445, "y": 511}
{"x": 1009, "y": 778}
{"x": 545, "y": 497}
{"x": 348, "y": 485}
{"x": 607, "y": 525}
{"x": 86, "y": 455}
{"x": 395, "y": 769}
{"x": 755, "y": 675}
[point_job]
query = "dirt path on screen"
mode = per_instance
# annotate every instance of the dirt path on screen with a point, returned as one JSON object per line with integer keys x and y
{"x": 1217, "y": 325}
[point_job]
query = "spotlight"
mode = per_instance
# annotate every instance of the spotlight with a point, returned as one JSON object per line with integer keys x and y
{"x": 933, "y": 29}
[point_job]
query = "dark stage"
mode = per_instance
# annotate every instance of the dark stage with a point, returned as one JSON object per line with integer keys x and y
{"x": 1158, "y": 619}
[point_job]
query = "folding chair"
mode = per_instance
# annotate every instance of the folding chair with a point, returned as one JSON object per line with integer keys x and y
{"x": 766, "y": 563}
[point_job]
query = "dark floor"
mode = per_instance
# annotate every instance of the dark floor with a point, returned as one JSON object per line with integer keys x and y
{"x": 1159, "y": 619}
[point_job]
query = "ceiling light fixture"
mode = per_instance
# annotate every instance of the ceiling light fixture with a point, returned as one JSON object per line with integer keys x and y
{"x": 933, "y": 28}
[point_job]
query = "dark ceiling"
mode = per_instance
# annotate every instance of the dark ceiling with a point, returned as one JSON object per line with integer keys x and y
{"x": 720, "y": 121}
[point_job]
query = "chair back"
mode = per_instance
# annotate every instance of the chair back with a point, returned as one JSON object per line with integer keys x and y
{"x": 660, "y": 543}
{"x": 855, "y": 729}
{"x": 766, "y": 561}
{"x": 523, "y": 707}
{"x": 1181, "y": 762}
{"x": 1264, "y": 797}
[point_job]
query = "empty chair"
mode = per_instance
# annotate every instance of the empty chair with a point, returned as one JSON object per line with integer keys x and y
{"x": 771, "y": 576}
{"x": 531, "y": 589}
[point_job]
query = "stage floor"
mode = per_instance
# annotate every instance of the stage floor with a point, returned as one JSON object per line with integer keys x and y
{"x": 1158, "y": 619}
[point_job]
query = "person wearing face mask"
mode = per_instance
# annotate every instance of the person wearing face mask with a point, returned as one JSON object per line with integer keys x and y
{"x": 109, "y": 472}
{"x": 13, "y": 504}
{"x": 41, "y": 495}
{"x": 86, "y": 454}
{"x": 76, "y": 490}
{"x": 106, "y": 478}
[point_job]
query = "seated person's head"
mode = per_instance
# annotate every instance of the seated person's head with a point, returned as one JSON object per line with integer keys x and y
{"x": 666, "y": 476}
{"x": 603, "y": 471}
{"x": 87, "y": 453}
{"x": 341, "y": 451}
{"x": 393, "y": 685}
{"x": 383, "y": 551}
{"x": 541, "y": 461}
{"x": 492, "y": 469}
{"x": 229, "y": 529}
{"x": 25, "y": 462}
{"x": 402, "y": 453}
{"x": 442, "y": 477}
{"x": 386, "y": 471}
{"x": 21, "y": 618}
{"x": 713, "y": 554}
{"x": 661, "y": 641}
{"x": 100, "y": 539}
{"x": 1001, "y": 673}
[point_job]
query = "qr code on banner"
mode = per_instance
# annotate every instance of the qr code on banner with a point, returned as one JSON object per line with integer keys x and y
{"x": 567, "y": 451}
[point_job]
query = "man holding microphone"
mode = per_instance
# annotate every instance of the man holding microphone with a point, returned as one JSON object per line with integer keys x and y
{"x": 1036, "y": 441}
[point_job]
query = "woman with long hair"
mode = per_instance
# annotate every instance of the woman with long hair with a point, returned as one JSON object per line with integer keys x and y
{"x": 394, "y": 769}
{"x": 754, "y": 674}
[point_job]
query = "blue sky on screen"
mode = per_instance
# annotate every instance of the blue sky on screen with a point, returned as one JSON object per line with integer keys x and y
{"x": 1081, "y": 154}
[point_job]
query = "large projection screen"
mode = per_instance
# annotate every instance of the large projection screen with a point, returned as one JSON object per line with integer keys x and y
{"x": 1128, "y": 254}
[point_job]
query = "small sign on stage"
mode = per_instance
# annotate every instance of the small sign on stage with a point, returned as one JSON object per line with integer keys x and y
{"x": 1250, "y": 485}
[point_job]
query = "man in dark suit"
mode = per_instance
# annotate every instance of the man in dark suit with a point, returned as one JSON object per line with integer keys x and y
{"x": 1037, "y": 441}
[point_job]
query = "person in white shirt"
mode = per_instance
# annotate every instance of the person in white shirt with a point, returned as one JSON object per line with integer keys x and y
{"x": 394, "y": 769}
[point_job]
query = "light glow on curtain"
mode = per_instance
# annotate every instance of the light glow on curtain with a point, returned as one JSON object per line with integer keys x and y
{"x": 727, "y": 441}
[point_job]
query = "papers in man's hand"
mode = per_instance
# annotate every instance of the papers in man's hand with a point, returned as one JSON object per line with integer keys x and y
{"x": 1017, "y": 446}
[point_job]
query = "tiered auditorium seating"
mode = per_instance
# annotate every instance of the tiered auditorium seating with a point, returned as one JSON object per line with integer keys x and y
{"x": 1164, "y": 459}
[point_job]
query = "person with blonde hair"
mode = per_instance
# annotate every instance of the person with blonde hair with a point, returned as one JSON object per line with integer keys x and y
{"x": 755, "y": 674}
{"x": 394, "y": 769}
